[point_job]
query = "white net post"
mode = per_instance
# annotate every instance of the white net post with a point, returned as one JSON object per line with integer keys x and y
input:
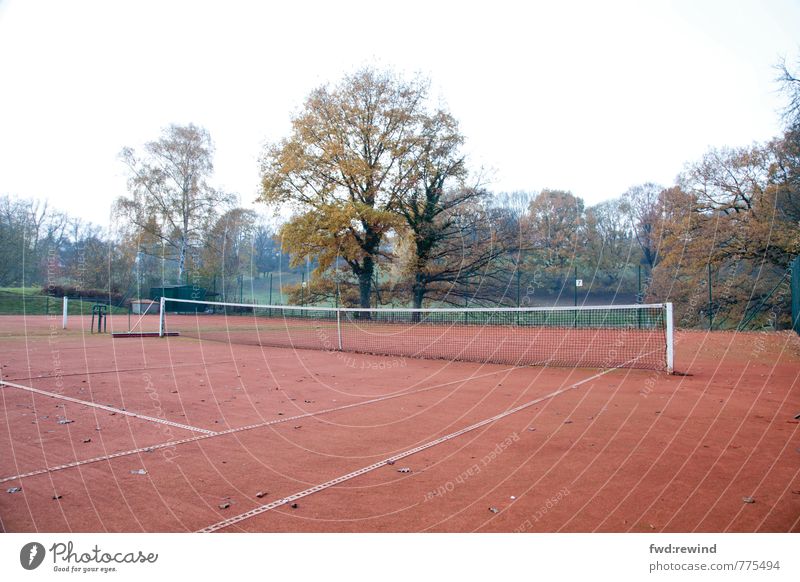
{"x": 161, "y": 316}
{"x": 65, "y": 311}
{"x": 670, "y": 339}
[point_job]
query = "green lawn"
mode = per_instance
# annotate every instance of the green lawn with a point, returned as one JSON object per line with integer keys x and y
{"x": 21, "y": 290}
{"x": 31, "y": 301}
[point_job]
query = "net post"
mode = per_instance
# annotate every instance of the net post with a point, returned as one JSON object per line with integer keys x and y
{"x": 65, "y": 311}
{"x": 339, "y": 327}
{"x": 670, "y": 344}
{"x": 161, "y": 316}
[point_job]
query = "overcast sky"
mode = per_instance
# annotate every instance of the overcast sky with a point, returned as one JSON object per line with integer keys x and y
{"x": 592, "y": 97}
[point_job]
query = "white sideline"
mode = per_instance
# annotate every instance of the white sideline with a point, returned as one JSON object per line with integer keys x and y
{"x": 104, "y": 407}
{"x": 335, "y": 481}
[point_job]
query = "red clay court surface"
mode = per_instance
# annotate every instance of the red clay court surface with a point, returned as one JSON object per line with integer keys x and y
{"x": 176, "y": 434}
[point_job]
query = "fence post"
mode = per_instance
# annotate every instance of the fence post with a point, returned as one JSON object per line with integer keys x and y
{"x": 710, "y": 301}
{"x": 639, "y": 298}
{"x": 575, "y": 287}
{"x": 270, "y": 288}
{"x": 794, "y": 277}
{"x": 339, "y": 327}
{"x": 65, "y": 310}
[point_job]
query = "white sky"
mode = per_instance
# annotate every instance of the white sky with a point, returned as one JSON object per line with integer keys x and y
{"x": 587, "y": 96}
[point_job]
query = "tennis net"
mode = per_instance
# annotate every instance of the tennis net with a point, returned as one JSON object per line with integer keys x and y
{"x": 631, "y": 336}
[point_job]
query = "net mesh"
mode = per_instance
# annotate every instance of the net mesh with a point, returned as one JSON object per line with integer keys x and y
{"x": 613, "y": 336}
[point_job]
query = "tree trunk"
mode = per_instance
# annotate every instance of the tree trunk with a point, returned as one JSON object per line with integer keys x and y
{"x": 365, "y": 284}
{"x": 418, "y": 290}
{"x": 366, "y": 271}
{"x": 182, "y": 262}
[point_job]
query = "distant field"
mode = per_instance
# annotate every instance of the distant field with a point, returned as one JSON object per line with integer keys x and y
{"x": 31, "y": 301}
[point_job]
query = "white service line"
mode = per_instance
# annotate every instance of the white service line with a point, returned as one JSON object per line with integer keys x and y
{"x": 247, "y": 427}
{"x": 108, "y": 457}
{"x": 316, "y": 488}
{"x": 108, "y": 408}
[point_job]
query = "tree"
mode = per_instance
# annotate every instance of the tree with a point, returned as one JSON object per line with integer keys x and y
{"x": 438, "y": 219}
{"x": 610, "y": 245}
{"x": 170, "y": 199}
{"x": 31, "y": 236}
{"x": 14, "y": 236}
{"x": 728, "y": 180}
{"x": 784, "y": 175}
{"x": 227, "y": 249}
{"x": 790, "y": 84}
{"x": 349, "y": 161}
{"x": 641, "y": 205}
{"x": 746, "y": 194}
{"x": 456, "y": 247}
{"x": 555, "y": 227}
{"x": 47, "y": 247}
{"x": 734, "y": 213}
{"x": 516, "y": 203}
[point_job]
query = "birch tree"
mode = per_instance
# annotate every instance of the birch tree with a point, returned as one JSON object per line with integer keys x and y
{"x": 171, "y": 200}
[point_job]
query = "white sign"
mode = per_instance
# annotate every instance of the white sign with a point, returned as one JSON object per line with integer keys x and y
{"x": 579, "y": 282}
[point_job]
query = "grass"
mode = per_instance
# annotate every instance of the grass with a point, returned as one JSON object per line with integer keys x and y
{"x": 30, "y": 301}
{"x": 256, "y": 290}
{"x": 21, "y": 290}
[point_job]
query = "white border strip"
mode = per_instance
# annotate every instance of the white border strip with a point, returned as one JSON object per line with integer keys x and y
{"x": 108, "y": 408}
{"x": 422, "y": 310}
{"x": 316, "y": 488}
{"x": 283, "y": 419}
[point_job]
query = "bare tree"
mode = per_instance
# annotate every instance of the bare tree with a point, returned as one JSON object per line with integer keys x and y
{"x": 227, "y": 249}
{"x": 516, "y": 203}
{"x": 457, "y": 246}
{"x": 641, "y": 205}
{"x": 29, "y": 230}
{"x": 435, "y": 217}
{"x": 555, "y": 227}
{"x": 265, "y": 249}
{"x": 171, "y": 200}
{"x": 790, "y": 83}
{"x": 610, "y": 244}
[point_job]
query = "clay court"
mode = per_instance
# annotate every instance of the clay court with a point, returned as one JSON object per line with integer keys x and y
{"x": 179, "y": 434}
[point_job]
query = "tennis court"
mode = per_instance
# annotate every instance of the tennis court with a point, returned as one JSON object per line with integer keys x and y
{"x": 213, "y": 430}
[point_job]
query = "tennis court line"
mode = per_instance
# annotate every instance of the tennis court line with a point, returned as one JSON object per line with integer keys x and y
{"x": 322, "y": 486}
{"x": 107, "y": 408}
{"x": 192, "y": 439}
{"x": 120, "y": 371}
